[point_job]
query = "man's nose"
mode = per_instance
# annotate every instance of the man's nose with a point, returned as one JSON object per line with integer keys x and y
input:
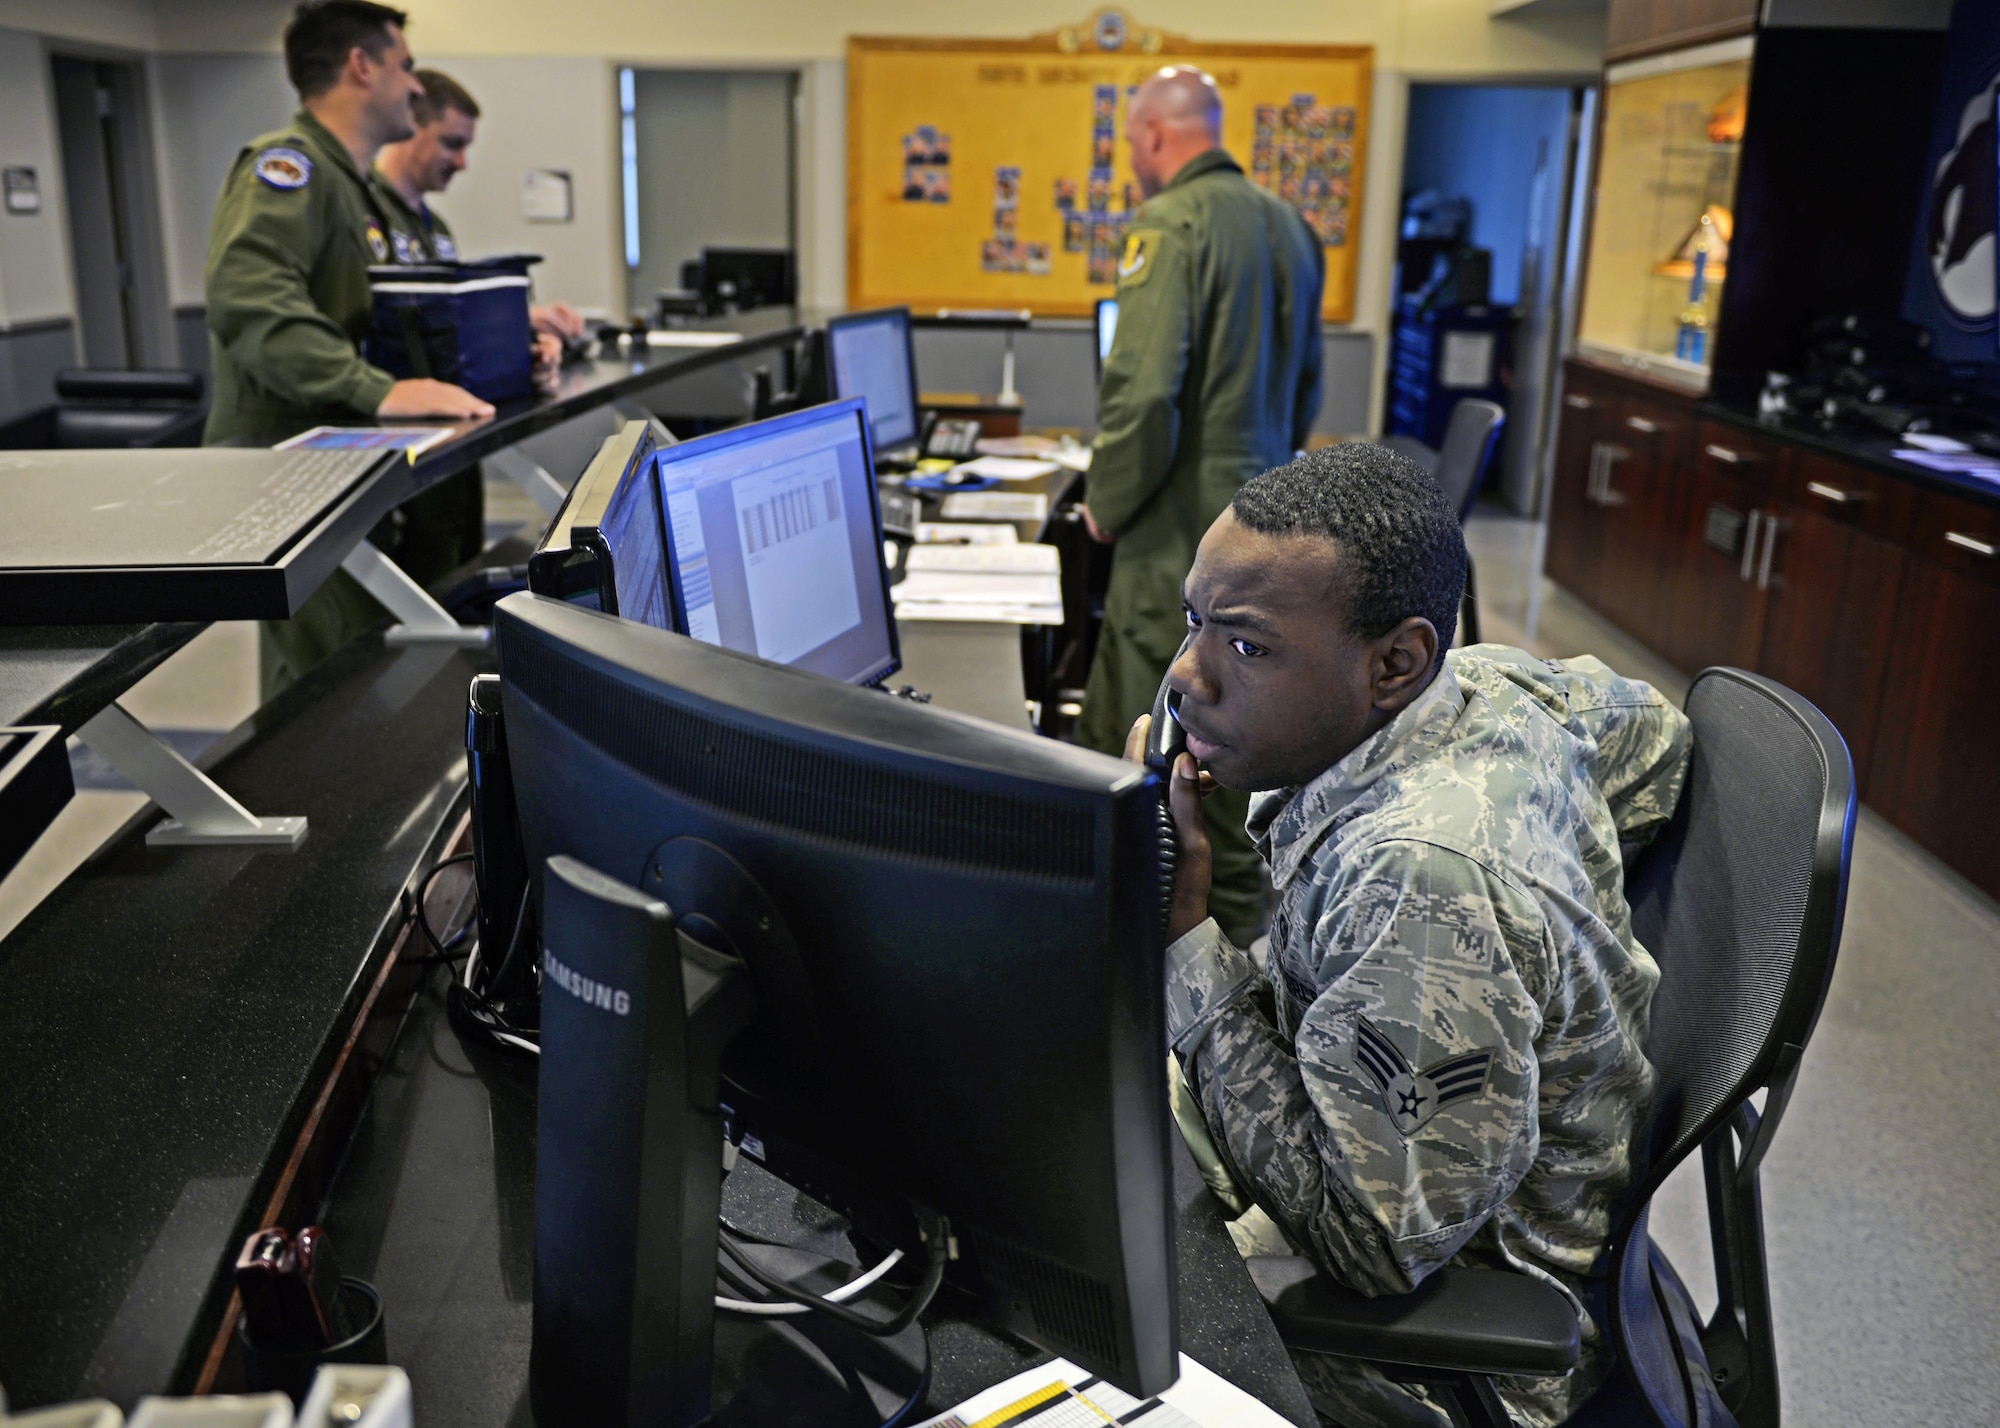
{"x": 1185, "y": 674}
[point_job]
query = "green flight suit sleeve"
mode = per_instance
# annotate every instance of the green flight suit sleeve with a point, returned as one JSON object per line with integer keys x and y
{"x": 260, "y": 306}
{"x": 1138, "y": 400}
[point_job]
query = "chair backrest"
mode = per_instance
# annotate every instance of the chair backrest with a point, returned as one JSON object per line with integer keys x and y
{"x": 128, "y": 385}
{"x": 1740, "y": 901}
{"x": 1469, "y": 439}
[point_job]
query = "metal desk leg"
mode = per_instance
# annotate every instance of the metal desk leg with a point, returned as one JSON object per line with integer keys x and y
{"x": 423, "y": 620}
{"x": 199, "y": 811}
{"x": 531, "y": 476}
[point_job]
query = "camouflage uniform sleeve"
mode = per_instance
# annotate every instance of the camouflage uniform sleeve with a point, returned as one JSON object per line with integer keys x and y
{"x": 260, "y": 308}
{"x": 1138, "y": 399}
{"x": 1402, "y": 1111}
{"x": 1643, "y": 746}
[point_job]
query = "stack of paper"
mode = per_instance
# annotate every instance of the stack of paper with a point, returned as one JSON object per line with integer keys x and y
{"x": 964, "y": 533}
{"x": 1009, "y": 468}
{"x": 1009, "y": 584}
{"x": 1059, "y": 1394}
{"x": 996, "y": 506}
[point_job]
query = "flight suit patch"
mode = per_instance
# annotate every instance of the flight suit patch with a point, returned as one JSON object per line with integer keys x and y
{"x": 1135, "y": 264}
{"x": 284, "y": 168}
{"x": 377, "y": 244}
{"x": 406, "y": 250}
{"x": 447, "y": 250}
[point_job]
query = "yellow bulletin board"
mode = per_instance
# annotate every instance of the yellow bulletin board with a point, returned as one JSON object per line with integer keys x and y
{"x": 994, "y": 173}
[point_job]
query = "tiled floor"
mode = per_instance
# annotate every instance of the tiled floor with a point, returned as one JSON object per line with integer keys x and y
{"x": 1879, "y": 1195}
{"x": 1879, "y": 1199}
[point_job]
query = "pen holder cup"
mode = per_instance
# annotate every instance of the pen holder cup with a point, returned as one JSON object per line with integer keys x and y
{"x": 290, "y": 1371}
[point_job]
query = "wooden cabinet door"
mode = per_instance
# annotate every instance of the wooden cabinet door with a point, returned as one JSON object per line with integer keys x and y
{"x": 1640, "y": 487}
{"x": 1723, "y": 548}
{"x": 1655, "y": 24}
{"x": 1832, "y": 592}
{"x": 1576, "y": 523}
{"x": 1936, "y": 760}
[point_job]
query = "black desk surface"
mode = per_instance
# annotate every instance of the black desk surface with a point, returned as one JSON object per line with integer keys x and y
{"x": 1875, "y": 452}
{"x": 435, "y": 1205}
{"x": 65, "y": 674}
{"x": 167, "y": 1015}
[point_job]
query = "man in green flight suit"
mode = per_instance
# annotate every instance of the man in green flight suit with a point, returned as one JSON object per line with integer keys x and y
{"x": 1212, "y": 379}
{"x": 408, "y": 171}
{"x": 296, "y": 228}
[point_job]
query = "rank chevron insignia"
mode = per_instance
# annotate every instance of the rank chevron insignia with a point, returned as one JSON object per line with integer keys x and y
{"x": 1409, "y": 1096}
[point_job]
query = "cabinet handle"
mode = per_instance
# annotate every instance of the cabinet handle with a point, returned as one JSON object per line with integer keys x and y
{"x": 1972, "y": 543}
{"x": 1590, "y": 481}
{"x": 1724, "y": 453}
{"x": 1834, "y": 493}
{"x": 1577, "y": 403}
{"x": 1645, "y": 424}
{"x": 1750, "y": 547}
{"x": 1770, "y": 546}
{"x": 1605, "y": 495}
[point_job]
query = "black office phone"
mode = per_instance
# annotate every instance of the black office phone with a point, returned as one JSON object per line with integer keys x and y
{"x": 1166, "y": 741}
{"x": 953, "y": 438}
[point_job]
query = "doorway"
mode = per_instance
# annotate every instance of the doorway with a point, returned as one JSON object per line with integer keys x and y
{"x": 1480, "y": 265}
{"x": 123, "y": 319}
{"x": 710, "y": 161}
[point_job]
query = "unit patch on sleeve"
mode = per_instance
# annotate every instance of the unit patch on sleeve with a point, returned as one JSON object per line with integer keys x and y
{"x": 284, "y": 168}
{"x": 1411, "y": 1097}
{"x": 1135, "y": 264}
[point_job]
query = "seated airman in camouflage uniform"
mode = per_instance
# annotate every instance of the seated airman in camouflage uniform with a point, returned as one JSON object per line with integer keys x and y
{"x": 1442, "y": 1063}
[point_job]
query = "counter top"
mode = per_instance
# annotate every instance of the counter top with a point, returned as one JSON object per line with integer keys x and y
{"x": 168, "y": 1016}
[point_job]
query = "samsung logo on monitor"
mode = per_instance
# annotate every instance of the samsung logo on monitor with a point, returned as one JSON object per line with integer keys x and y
{"x": 590, "y": 993}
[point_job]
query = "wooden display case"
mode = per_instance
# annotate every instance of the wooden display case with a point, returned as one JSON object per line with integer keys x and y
{"x": 1664, "y": 212}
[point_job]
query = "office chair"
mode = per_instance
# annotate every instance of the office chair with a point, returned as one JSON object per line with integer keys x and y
{"x": 1469, "y": 442}
{"x": 107, "y": 407}
{"x": 1740, "y": 900}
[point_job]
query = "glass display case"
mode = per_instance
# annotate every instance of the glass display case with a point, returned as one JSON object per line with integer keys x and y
{"x": 1666, "y": 192}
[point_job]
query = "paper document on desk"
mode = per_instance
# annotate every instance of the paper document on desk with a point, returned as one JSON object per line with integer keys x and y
{"x": 964, "y": 533}
{"x": 413, "y": 441}
{"x": 1061, "y": 1395}
{"x": 971, "y": 587}
{"x": 1008, "y": 468}
{"x": 688, "y": 337}
{"x": 995, "y": 506}
{"x": 1012, "y": 559}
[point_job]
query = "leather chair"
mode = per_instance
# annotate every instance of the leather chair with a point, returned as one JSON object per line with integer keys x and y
{"x": 114, "y": 408}
{"x": 1740, "y": 900}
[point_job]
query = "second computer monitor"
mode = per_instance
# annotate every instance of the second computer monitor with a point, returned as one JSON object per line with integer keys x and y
{"x": 775, "y": 544}
{"x": 871, "y": 357}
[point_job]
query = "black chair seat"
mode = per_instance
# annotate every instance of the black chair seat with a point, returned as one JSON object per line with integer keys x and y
{"x": 1459, "y": 1319}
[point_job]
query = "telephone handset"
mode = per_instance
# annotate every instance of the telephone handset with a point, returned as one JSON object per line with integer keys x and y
{"x": 1166, "y": 741}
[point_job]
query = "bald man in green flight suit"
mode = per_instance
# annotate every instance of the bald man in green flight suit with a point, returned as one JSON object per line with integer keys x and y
{"x": 296, "y": 228}
{"x": 1212, "y": 379}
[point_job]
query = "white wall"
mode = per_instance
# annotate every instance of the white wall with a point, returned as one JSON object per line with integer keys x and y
{"x": 34, "y": 256}
{"x": 205, "y": 109}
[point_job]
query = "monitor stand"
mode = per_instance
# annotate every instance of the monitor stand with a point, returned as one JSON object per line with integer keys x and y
{"x": 636, "y": 1016}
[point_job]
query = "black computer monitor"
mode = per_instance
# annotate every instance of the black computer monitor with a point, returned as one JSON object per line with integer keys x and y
{"x": 953, "y": 931}
{"x": 774, "y": 543}
{"x": 746, "y": 278}
{"x": 870, "y": 356}
{"x": 606, "y": 547}
{"x": 1104, "y": 328}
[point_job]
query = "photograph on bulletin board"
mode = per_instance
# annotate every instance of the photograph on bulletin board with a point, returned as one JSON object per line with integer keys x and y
{"x": 992, "y": 173}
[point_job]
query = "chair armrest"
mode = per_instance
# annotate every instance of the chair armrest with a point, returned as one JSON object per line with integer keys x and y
{"x": 1462, "y": 1320}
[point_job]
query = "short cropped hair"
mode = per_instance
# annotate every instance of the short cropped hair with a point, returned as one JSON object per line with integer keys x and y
{"x": 441, "y": 92}
{"x": 323, "y": 33}
{"x": 1399, "y": 543}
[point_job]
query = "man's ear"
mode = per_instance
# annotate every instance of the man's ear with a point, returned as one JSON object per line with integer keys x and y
{"x": 1401, "y": 663}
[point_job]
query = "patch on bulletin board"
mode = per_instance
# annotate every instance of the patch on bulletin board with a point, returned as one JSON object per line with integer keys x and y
{"x": 1045, "y": 117}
